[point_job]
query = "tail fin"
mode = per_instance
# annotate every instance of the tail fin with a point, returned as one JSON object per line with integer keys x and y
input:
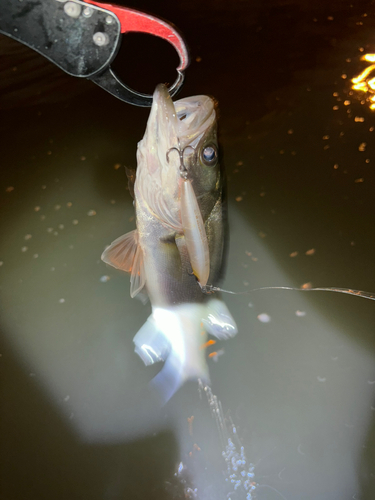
{"x": 176, "y": 335}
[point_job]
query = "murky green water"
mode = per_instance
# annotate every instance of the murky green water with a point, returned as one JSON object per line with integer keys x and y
{"x": 77, "y": 419}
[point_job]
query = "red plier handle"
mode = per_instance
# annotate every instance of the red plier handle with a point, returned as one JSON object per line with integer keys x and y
{"x": 136, "y": 21}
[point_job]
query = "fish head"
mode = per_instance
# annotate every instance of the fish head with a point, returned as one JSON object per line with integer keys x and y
{"x": 180, "y": 139}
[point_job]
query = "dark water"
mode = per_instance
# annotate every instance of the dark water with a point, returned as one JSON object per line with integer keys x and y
{"x": 77, "y": 420}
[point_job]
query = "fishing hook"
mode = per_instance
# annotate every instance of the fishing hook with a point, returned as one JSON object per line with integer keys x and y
{"x": 183, "y": 169}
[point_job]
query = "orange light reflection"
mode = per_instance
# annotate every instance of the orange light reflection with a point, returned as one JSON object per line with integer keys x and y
{"x": 363, "y": 82}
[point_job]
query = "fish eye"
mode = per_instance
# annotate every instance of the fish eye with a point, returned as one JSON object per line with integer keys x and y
{"x": 209, "y": 155}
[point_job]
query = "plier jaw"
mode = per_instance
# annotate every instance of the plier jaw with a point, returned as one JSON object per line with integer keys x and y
{"x": 136, "y": 21}
{"x": 82, "y": 38}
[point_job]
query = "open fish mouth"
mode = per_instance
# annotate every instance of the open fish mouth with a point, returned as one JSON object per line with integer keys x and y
{"x": 184, "y": 120}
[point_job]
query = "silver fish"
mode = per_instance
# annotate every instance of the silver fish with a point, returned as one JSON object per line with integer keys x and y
{"x": 178, "y": 246}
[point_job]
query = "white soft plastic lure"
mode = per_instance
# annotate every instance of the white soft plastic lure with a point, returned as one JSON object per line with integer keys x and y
{"x": 178, "y": 245}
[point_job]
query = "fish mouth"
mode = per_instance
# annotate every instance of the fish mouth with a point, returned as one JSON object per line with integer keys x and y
{"x": 183, "y": 121}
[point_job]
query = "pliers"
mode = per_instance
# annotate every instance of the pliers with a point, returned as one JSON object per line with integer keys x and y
{"x": 83, "y": 37}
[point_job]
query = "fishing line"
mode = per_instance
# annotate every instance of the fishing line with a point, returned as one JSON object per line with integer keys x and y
{"x": 348, "y": 291}
{"x": 271, "y": 488}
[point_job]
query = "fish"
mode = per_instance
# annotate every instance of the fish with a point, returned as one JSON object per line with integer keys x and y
{"x": 176, "y": 254}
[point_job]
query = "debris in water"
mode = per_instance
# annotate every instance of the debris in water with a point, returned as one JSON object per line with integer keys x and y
{"x": 104, "y": 279}
{"x": 61, "y": 301}
{"x": 264, "y": 318}
{"x": 9, "y": 189}
{"x": 90, "y": 213}
{"x": 362, "y": 146}
{"x": 293, "y": 254}
{"x": 216, "y": 354}
{"x": 208, "y": 343}
{"x": 310, "y": 252}
{"x": 300, "y": 313}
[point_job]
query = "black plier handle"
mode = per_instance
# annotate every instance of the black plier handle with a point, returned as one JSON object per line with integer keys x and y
{"x": 82, "y": 38}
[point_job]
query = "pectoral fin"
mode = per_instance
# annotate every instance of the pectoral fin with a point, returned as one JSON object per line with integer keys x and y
{"x": 126, "y": 254}
{"x": 195, "y": 233}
